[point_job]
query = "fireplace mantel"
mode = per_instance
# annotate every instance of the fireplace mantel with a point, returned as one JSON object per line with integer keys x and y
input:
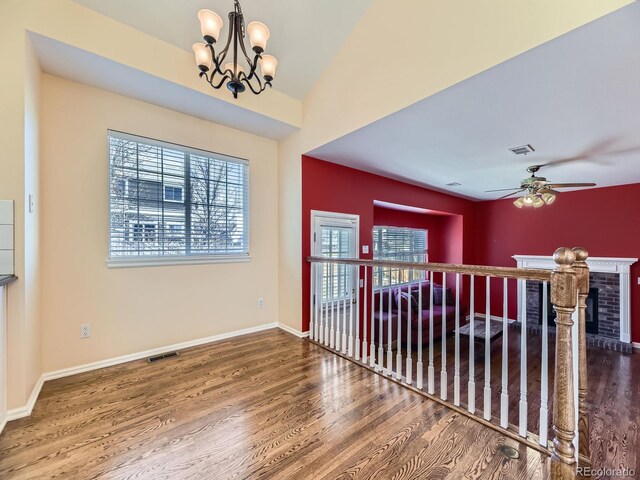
{"x": 620, "y": 266}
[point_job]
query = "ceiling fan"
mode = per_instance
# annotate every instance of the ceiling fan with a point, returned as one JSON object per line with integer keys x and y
{"x": 539, "y": 190}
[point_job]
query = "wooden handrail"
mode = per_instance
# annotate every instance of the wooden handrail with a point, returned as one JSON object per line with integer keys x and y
{"x": 532, "y": 274}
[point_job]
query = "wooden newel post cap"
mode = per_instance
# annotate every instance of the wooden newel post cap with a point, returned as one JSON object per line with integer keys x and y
{"x": 564, "y": 257}
{"x": 581, "y": 254}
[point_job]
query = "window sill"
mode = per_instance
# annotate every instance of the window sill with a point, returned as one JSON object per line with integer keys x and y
{"x": 168, "y": 261}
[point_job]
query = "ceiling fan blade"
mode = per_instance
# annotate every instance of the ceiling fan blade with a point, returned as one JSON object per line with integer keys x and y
{"x": 502, "y": 190}
{"x": 569, "y": 185}
{"x": 509, "y": 194}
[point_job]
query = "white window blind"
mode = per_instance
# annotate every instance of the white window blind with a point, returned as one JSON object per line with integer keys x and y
{"x": 170, "y": 201}
{"x": 402, "y": 245}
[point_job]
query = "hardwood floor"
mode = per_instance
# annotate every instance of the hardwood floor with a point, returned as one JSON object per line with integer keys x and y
{"x": 267, "y": 405}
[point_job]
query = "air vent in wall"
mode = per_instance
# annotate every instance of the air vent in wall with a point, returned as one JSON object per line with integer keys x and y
{"x": 522, "y": 150}
{"x": 163, "y": 356}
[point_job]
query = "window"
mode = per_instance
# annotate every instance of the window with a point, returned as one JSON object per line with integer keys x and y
{"x": 399, "y": 244}
{"x": 172, "y": 194}
{"x": 169, "y": 202}
{"x": 337, "y": 279}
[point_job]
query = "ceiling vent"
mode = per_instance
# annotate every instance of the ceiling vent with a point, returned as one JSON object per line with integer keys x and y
{"x": 522, "y": 150}
{"x": 454, "y": 184}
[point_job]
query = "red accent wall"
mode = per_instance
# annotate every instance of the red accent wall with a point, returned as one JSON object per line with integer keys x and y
{"x": 605, "y": 221}
{"x": 334, "y": 188}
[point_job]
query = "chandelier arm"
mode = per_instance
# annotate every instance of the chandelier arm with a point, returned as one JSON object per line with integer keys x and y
{"x": 216, "y": 65}
{"x": 260, "y": 90}
{"x": 246, "y": 56}
{"x": 222, "y": 80}
{"x": 223, "y": 53}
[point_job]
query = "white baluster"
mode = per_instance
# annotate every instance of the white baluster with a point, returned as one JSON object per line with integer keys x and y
{"x": 343, "y": 342}
{"x": 409, "y": 376}
{"x": 487, "y": 352}
{"x": 523, "y": 363}
{"x": 431, "y": 372}
{"x": 372, "y": 346}
{"x": 364, "y": 317}
{"x": 419, "y": 366}
{"x": 332, "y": 332}
{"x": 443, "y": 341}
{"x": 389, "y": 369}
{"x": 338, "y": 314}
{"x": 312, "y": 303}
{"x": 471, "y": 388}
{"x": 320, "y": 301}
{"x": 351, "y": 309}
{"x": 380, "y": 364}
{"x": 326, "y": 308}
{"x": 399, "y": 337}
{"x": 357, "y": 310}
{"x": 544, "y": 372}
{"x": 504, "y": 396}
{"x": 456, "y": 369}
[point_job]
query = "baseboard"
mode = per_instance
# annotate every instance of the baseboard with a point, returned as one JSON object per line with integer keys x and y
{"x": 26, "y": 410}
{"x": 3, "y": 423}
{"x": 293, "y": 331}
{"x": 636, "y": 345}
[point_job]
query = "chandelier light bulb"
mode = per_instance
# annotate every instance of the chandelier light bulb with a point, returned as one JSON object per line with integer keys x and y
{"x": 203, "y": 56}
{"x": 527, "y": 200}
{"x": 235, "y": 71}
{"x": 258, "y": 36}
{"x": 519, "y": 203}
{"x": 548, "y": 198}
{"x": 210, "y": 25}
{"x": 537, "y": 202}
{"x": 268, "y": 65}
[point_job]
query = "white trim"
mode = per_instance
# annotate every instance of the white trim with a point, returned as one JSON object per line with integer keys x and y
{"x": 620, "y": 266}
{"x": 636, "y": 345}
{"x": 25, "y": 411}
{"x": 293, "y": 331}
{"x": 166, "y": 261}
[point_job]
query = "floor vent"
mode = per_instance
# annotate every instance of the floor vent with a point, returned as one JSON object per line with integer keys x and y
{"x": 163, "y": 356}
{"x": 509, "y": 452}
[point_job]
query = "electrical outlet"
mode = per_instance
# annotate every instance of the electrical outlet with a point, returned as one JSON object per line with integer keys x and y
{"x": 32, "y": 202}
{"x": 361, "y": 283}
{"x": 85, "y": 330}
{"x": 365, "y": 249}
{"x": 261, "y": 303}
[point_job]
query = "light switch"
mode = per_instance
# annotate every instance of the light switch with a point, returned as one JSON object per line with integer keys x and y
{"x": 31, "y": 203}
{"x": 365, "y": 249}
{"x": 638, "y": 280}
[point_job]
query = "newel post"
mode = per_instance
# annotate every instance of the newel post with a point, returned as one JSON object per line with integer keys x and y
{"x": 564, "y": 292}
{"x": 582, "y": 273}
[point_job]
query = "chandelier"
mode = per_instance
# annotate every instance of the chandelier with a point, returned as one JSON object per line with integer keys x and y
{"x": 211, "y": 64}
{"x": 536, "y": 199}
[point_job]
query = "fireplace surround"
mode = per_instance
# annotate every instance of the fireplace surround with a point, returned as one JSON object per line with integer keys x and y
{"x": 610, "y": 277}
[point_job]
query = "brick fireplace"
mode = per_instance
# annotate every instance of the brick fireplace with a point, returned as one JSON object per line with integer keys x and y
{"x": 608, "y": 304}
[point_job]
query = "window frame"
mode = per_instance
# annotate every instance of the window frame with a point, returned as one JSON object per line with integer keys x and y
{"x": 167, "y": 260}
{"x": 378, "y": 283}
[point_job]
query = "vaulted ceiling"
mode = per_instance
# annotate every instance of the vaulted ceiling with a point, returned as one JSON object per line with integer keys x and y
{"x": 305, "y": 34}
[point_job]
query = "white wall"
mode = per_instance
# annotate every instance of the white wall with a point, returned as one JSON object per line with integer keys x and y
{"x": 136, "y": 309}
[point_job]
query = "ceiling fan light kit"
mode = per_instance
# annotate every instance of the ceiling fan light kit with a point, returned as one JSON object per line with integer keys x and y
{"x": 233, "y": 74}
{"x": 539, "y": 190}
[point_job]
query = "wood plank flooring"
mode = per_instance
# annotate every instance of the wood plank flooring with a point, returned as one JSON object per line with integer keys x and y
{"x": 266, "y": 405}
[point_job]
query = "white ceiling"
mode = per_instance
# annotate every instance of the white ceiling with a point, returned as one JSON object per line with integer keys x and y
{"x": 576, "y": 98}
{"x": 305, "y": 34}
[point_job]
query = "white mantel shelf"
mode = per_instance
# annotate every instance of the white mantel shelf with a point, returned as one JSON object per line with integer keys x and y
{"x": 619, "y": 266}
